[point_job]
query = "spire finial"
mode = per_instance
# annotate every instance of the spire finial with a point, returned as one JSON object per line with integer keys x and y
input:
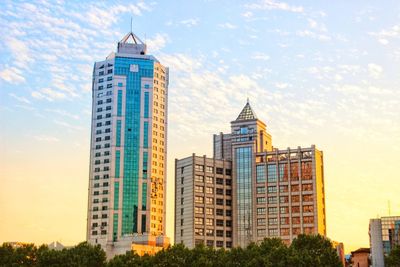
{"x": 247, "y": 100}
{"x": 131, "y": 23}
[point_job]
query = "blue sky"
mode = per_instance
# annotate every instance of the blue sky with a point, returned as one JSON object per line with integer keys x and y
{"x": 317, "y": 72}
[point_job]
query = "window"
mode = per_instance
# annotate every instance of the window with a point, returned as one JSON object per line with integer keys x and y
{"x": 283, "y": 188}
{"x": 209, "y": 169}
{"x": 101, "y": 80}
{"x": 273, "y": 232}
{"x": 220, "y": 212}
{"x": 273, "y": 210}
{"x": 209, "y": 190}
{"x": 182, "y": 201}
{"x": 220, "y": 201}
{"x": 198, "y": 189}
{"x": 284, "y": 210}
{"x": 219, "y": 170}
{"x": 220, "y": 181}
{"x": 209, "y": 222}
{"x": 261, "y": 211}
{"x": 295, "y": 188}
{"x": 209, "y": 211}
{"x": 284, "y": 220}
{"x": 109, "y": 71}
{"x": 220, "y": 191}
{"x": 271, "y": 189}
{"x": 199, "y": 200}
{"x": 228, "y": 202}
{"x": 209, "y": 180}
{"x": 308, "y": 208}
{"x": 199, "y": 210}
{"x": 272, "y": 200}
{"x": 109, "y": 78}
{"x": 272, "y": 221}
{"x": 308, "y": 219}
{"x": 261, "y": 232}
{"x": 307, "y": 187}
{"x": 108, "y": 100}
{"x": 228, "y": 192}
{"x": 182, "y": 211}
{"x": 210, "y": 243}
{"x": 228, "y": 234}
{"x": 199, "y": 221}
{"x": 209, "y": 232}
{"x": 199, "y": 178}
{"x": 296, "y": 220}
{"x": 284, "y": 199}
{"x": 229, "y": 223}
{"x": 295, "y": 209}
{"x": 220, "y": 232}
{"x": 220, "y": 222}
{"x": 209, "y": 200}
{"x": 260, "y": 171}
{"x": 261, "y": 190}
{"x": 228, "y": 244}
{"x": 98, "y": 124}
{"x": 260, "y": 200}
{"x": 199, "y": 231}
{"x": 260, "y": 221}
{"x": 228, "y": 181}
{"x": 295, "y": 198}
{"x": 308, "y": 198}
{"x": 228, "y": 172}
{"x": 101, "y": 73}
{"x": 99, "y": 102}
{"x": 199, "y": 168}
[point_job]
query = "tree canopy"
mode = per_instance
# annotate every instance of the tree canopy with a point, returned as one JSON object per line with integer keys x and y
{"x": 305, "y": 250}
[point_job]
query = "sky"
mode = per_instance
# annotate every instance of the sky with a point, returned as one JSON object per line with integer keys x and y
{"x": 316, "y": 72}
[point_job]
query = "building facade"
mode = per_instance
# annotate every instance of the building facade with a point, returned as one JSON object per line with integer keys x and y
{"x": 203, "y": 202}
{"x": 275, "y": 193}
{"x": 384, "y": 234}
{"x": 127, "y": 177}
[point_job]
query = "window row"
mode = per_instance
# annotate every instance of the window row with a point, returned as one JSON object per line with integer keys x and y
{"x": 210, "y": 222}
{"x": 210, "y": 169}
{"x": 109, "y": 78}
{"x": 210, "y": 180}
{"x": 210, "y": 190}
{"x": 210, "y": 243}
{"x": 210, "y": 200}
{"x": 210, "y": 211}
{"x": 210, "y": 232}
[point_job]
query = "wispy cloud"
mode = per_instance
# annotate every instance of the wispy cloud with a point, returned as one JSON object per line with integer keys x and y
{"x": 12, "y": 75}
{"x": 48, "y": 94}
{"x": 157, "y": 42}
{"x": 260, "y": 56}
{"x": 189, "y": 22}
{"x": 275, "y": 5}
{"x": 20, "y": 98}
{"x": 227, "y": 25}
{"x": 46, "y": 138}
{"x": 375, "y": 70}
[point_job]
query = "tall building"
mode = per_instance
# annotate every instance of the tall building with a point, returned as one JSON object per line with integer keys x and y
{"x": 127, "y": 182}
{"x": 271, "y": 193}
{"x": 384, "y": 234}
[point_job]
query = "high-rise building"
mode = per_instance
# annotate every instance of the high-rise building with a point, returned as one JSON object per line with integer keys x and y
{"x": 271, "y": 193}
{"x": 384, "y": 234}
{"x": 127, "y": 182}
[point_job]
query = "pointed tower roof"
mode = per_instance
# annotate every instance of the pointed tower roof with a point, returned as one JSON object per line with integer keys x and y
{"x": 131, "y": 44}
{"x": 131, "y": 38}
{"x": 247, "y": 113}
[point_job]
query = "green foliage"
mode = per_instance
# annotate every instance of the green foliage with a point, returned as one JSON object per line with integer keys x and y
{"x": 393, "y": 259}
{"x": 306, "y": 250}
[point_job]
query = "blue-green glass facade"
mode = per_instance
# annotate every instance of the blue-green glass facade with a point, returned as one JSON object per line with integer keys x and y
{"x": 243, "y": 160}
{"x": 132, "y": 132}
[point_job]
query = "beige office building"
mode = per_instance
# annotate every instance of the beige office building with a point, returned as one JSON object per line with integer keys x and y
{"x": 271, "y": 192}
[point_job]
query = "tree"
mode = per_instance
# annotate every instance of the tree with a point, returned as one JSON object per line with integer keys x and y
{"x": 393, "y": 259}
{"x": 313, "y": 250}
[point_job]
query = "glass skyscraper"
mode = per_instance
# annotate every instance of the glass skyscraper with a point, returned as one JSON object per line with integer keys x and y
{"x": 128, "y": 149}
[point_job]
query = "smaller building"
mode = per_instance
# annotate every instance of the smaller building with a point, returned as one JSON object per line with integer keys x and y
{"x": 203, "y": 202}
{"x": 384, "y": 235}
{"x": 360, "y": 257}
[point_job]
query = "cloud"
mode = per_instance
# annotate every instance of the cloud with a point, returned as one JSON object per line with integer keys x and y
{"x": 157, "y": 42}
{"x": 12, "y": 75}
{"x": 48, "y": 94}
{"x": 20, "y": 98}
{"x": 281, "y": 85}
{"x": 63, "y": 113}
{"x": 375, "y": 70}
{"x": 46, "y": 138}
{"x": 275, "y": 5}
{"x": 314, "y": 35}
{"x": 190, "y": 22}
{"x": 247, "y": 14}
{"x": 227, "y": 25}
{"x": 260, "y": 56}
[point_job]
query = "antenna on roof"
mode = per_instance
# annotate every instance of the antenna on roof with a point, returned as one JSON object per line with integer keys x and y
{"x": 389, "y": 207}
{"x": 247, "y": 100}
{"x": 131, "y": 23}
